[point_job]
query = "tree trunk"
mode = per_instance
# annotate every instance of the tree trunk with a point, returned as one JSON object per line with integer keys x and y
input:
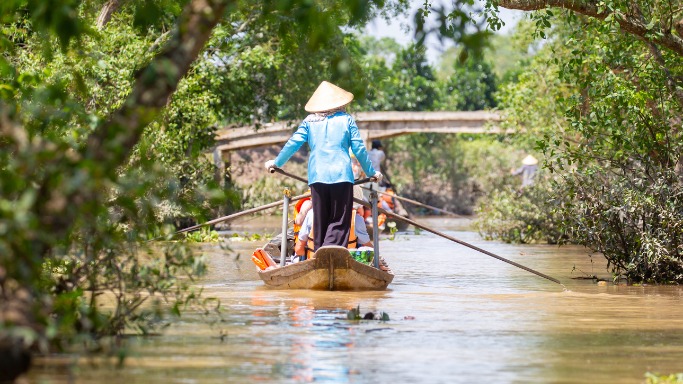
{"x": 15, "y": 310}
{"x": 105, "y": 14}
{"x": 107, "y": 148}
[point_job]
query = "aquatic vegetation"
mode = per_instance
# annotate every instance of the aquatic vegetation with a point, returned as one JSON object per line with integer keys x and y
{"x": 249, "y": 236}
{"x": 653, "y": 378}
{"x": 392, "y": 230}
{"x": 203, "y": 235}
{"x": 355, "y": 314}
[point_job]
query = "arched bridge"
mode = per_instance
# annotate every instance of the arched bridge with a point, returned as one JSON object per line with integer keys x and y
{"x": 372, "y": 125}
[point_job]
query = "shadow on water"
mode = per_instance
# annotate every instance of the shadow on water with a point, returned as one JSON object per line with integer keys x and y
{"x": 456, "y": 317}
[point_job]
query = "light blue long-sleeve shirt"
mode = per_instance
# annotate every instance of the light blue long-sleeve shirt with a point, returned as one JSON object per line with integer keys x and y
{"x": 329, "y": 139}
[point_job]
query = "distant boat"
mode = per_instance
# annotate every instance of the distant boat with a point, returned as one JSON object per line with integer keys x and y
{"x": 333, "y": 268}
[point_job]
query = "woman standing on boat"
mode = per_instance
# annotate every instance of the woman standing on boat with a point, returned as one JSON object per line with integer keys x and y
{"x": 330, "y": 132}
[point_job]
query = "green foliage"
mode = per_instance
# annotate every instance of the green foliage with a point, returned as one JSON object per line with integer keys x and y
{"x": 103, "y": 142}
{"x": 635, "y": 223}
{"x": 520, "y": 216}
{"x": 408, "y": 84}
{"x": 604, "y": 108}
{"x": 450, "y": 172}
{"x": 623, "y": 174}
{"x": 437, "y": 169}
{"x": 203, "y": 235}
{"x": 250, "y": 236}
{"x": 471, "y": 87}
{"x": 268, "y": 189}
{"x": 653, "y": 378}
{"x": 392, "y": 230}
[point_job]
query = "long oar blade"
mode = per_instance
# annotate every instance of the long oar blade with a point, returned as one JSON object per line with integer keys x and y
{"x": 445, "y": 236}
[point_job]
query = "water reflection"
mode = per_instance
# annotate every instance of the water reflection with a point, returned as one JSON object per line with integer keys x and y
{"x": 456, "y": 317}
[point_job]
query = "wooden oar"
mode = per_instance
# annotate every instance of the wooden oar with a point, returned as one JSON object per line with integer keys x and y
{"x": 416, "y": 203}
{"x": 416, "y": 224}
{"x": 236, "y": 215}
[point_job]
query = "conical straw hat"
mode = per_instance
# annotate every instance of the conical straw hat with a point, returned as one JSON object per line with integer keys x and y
{"x": 328, "y": 96}
{"x": 529, "y": 160}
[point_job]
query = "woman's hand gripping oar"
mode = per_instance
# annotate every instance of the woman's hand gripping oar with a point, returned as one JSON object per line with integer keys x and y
{"x": 416, "y": 224}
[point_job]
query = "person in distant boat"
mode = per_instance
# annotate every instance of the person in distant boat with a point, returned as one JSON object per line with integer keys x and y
{"x": 330, "y": 133}
{"x": 377, "y": 155}
{"x": 300, "y": 210}
{"x": 527, "y": 170}
{"x": 387, "y": 200}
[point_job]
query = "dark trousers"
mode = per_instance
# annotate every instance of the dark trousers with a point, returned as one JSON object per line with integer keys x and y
{"x": 332, "y": 208}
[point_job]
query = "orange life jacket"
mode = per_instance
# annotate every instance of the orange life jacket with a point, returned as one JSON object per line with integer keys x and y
{"x": 389, "y": 199}
{"x": 297, "y": 209}
{"x": 353, "y": 239}
{"x": 262, "y": 259}
{"x": 381, "y": 219}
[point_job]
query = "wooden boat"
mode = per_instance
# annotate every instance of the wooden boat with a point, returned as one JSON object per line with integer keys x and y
{"x": 332, "y": 269}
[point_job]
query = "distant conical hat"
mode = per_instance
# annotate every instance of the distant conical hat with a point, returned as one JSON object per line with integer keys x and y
{"x": 328, "y": 96}
{"x": 529, "y": 160}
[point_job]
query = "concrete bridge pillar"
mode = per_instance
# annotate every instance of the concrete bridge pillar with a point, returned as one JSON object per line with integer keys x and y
{"x": 221, "y": 160}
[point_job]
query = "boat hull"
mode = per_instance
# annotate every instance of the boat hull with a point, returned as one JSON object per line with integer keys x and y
{"x": 332, "y": 269}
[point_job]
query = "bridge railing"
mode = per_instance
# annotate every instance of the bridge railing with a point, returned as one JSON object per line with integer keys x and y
{"x": 373, "y": 125}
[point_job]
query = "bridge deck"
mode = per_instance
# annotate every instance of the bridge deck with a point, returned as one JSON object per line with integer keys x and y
{"x": 373, "y": 125}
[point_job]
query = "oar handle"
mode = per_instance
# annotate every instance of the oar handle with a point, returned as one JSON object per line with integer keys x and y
{"x": 364, "y": 181}
{"x": 283, "y": 172}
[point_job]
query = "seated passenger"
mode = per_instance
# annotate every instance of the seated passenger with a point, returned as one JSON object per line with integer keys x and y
{"x": 387, "y": 200}
{"x": 301, "y": 208}
{"x": 358, "y": 236}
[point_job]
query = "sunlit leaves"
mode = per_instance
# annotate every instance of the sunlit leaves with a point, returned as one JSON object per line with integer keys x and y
{"x": 611, "y": 128}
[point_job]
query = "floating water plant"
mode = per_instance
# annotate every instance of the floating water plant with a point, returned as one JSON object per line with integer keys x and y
{"x": 355, "y": 314}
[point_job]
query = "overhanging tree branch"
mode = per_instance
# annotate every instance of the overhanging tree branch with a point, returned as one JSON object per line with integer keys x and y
{"x": 108, "y": 9}
{"x": 111, "y": 143}
{"x": 628, "y": 23}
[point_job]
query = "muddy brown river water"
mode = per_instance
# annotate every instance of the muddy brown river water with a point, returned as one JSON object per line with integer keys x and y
{"x": 456, "y": 316}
